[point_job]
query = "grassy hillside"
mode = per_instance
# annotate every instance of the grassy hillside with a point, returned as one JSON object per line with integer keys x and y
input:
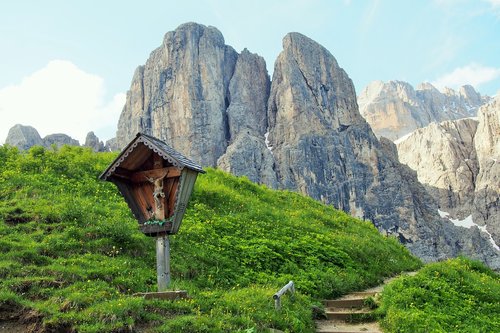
{"x": 71, "y": 255}
{"x": 457, "y": 295}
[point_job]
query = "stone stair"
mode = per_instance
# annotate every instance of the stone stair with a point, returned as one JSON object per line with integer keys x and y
{"x": 348, "y": 315}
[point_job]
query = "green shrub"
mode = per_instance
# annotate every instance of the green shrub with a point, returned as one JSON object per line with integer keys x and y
{"x": 457, "y": 295}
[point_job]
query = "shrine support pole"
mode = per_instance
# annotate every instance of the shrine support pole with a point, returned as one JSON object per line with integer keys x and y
{"x": 163, "y": 262}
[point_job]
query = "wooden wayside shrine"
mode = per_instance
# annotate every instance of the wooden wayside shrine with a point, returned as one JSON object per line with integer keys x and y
{"x": 156, "y": 182}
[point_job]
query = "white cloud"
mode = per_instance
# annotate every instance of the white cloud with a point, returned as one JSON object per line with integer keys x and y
{"x": 446, "y": 50}
{"x": 59, "y": 98}
{"x": 494, "y": 3}
{"x": 444, "y": 3}
{"x": 370, "y": 14}
{"x": 473, "y": 74}
{"x": 494, "y": 6}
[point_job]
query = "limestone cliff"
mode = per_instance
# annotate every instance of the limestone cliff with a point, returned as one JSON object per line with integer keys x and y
{"x": 301, "y": 131}
{"x": 487, "y": 189}
{"x": 247, "y": 153}
{"x": 92, "y": 141}
{"x": 59, "y": 139}
{"x": 444, "y": 157}
{"x": 324, "y": 148}
{"x": 23, "y": 137}
{"x": 395, "y": 108}
{"x": 458, "y": 162}
{"x": 181, "y": 94}
{"x": 205, "y": 99}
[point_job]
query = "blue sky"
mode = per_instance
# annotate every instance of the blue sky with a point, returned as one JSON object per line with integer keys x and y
{"x": 66, "y": 65}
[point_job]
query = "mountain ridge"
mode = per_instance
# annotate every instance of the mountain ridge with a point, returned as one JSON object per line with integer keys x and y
{"x": 395, "y": 109}
{"x": 25, "y": 137}
{"x": 300, "y": 131}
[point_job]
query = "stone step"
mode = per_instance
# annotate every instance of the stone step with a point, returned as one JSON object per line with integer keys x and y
{"x": 347, "y": 330}
{"x": 345, "y": 303}
{"x": 348, "y": 314}
{"x": 332, "y": 326}
{"x": 364, "y": 294}
{"x": 353, "y": 300}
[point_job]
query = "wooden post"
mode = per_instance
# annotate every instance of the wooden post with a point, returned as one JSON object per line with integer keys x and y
{"x": 162, "y": 242}
{"x": 163, "y": 262}
{"x": 277, "y": 297}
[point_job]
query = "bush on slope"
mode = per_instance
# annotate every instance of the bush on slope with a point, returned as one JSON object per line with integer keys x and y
{"x": 457, "y": 295}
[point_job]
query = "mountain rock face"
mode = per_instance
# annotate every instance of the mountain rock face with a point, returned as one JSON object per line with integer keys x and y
{"x": 324, "y": 148}
{"x": 487, "y": 190}
{"x": 301, "y": 131}
{"x": 444, "y": 156}
{"x": 395, "y": 108}
{"x": 182, "y": 93}
{"x": 23, "y": 137}
{"x": 458, "y": 161}
{"x": 59, "y": 140}
{"x": 205, "y": 99}
{"x": 247, "y": 153}
{"x": 93, "y": 142}
{"x": 112, "y": 145}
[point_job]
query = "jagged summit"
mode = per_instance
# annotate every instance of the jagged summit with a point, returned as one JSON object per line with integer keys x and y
{"x": 394, "y": 108}
{"x": 25, "y": 137}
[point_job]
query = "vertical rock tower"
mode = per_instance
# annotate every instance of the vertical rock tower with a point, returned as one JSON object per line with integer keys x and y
{"x": 302, "y": 131}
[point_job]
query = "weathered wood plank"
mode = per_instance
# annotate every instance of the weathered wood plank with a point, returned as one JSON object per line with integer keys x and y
{"x": 167, "y": 188}
{"x": 172, "y": 194}
{"x": 163, "y": 262}
{"x": 148, "y": 175}
{"x": 155, "y": 229}
{"x": 168, "y": 295}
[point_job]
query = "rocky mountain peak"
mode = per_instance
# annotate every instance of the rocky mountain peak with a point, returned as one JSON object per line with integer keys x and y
{"x": 23, "y": 137}
{"x": 313, "y": 76}
{"x": 181, "y": 94}
{"x": 303, "y": 47}
{"x": 92, "y": 141}
{"x": 427, "y": 86}
{"x": 469, "y": 94}
{"x": 395, "y": 108}
{"x": 401, "y": 89}
{"x": 300, "y": 131}
{"x": 193, "y": 32}
{"x": 59, "y": 139}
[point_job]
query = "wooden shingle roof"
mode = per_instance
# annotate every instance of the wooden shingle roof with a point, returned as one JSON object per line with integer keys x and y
{"x": 161, "y": 148}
